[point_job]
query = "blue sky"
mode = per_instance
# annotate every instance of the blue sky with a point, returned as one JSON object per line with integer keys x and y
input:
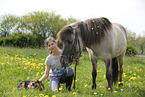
{"x": 129, "y": 13}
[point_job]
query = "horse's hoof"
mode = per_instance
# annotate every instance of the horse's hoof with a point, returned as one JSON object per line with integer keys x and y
{"x": 93, "y": 86}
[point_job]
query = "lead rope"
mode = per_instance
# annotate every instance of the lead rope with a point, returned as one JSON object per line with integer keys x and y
{"x": 75, "y": 75}
{"x": 76, "y": 37}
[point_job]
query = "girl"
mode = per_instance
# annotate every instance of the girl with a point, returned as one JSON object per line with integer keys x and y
{"x": 56, "y": 72}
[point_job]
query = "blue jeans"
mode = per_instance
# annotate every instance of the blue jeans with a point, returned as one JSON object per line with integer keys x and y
{"x": 54, "y": 80}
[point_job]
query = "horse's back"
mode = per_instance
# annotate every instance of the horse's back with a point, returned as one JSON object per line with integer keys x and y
{"x": 113, "y": 44}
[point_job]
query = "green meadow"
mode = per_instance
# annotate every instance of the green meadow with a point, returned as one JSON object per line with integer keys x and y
{"x": 21, "y": 64}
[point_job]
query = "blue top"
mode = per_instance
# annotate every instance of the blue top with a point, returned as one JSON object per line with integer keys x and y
{"x": 56, "y": 69}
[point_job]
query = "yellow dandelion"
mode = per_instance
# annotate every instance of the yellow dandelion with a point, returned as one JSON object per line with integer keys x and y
{"x": 57, "y": 90}
{"x": 37, "y": 74}
{"x": 86, "y": 85}
{"x": 74, "y": 93}
{"x": 104, "y": 76}
{"x": 24, "y": 96}
{"x": 115, "y": 91}
{"x": 134, "y": 74}
{"x": 109, "y": 88}
{"x": 121, "y": 89}
{"x": 95, "y": 93}
{"x": 139, "y": 82}
{"x": 118, "y": 83}
{"x": 15, "y": 88}
{"x": 41, "y": 95}
{"x": 60, "y": 88}
{"x": 46, "y": 96}
{"x": 25, "y": 67}
{"x": 53, "y": 96}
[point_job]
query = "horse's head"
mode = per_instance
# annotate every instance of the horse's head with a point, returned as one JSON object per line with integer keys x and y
{"x": 72, "y": 45}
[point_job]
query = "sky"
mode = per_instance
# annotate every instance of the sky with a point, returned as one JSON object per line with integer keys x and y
{"x": 129, "y": 13}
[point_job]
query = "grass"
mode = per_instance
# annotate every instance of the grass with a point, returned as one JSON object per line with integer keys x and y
{"x": 20, "y": 64}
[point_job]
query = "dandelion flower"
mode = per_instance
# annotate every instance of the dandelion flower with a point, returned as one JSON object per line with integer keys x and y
{"x": 86, "y": 85}
{"x": 95, "y": 93}
{"x": 74, "y": 93}
{"x": 53, "y": 96}
{"x": 121, "y": 89}
{"x": 60, "y": 88}
{"x": 41, "y": 95}
{"x": 109, "y": 88}
{"x": 115, "y": 91}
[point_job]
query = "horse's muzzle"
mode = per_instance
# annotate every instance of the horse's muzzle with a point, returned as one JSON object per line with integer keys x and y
{"x": 64, "y": 61}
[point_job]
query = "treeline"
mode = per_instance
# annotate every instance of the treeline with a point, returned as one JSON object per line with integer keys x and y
{"x": 31, "y": 29}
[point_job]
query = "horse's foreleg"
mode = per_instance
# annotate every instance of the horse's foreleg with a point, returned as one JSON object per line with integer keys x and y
{"x": 108, "y": 64}
{"x": 94, "y": 74}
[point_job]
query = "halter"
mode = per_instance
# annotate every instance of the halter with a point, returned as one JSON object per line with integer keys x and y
{"x": 74, "y": 47}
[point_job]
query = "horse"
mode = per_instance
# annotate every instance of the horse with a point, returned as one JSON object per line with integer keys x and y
{"x": 104, "y": 40}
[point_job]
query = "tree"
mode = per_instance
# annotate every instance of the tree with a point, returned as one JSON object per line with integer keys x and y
{"x": 7, "y": 23}
{"x": 42, "y": 24}
{"x": 141, "y": 43}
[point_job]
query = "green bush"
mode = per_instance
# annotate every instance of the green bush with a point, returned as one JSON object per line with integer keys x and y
{"x": 131, "y": 50}
{"x": 19, "y": 40}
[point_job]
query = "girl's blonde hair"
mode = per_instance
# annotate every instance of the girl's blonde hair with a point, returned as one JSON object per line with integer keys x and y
{"x": 49, "y": 39}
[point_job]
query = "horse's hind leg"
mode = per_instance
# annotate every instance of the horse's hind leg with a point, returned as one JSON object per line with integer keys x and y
{"x": 94, "y": 73}
{"x": 120, "y": 69}
{"x": 108, "y": 64}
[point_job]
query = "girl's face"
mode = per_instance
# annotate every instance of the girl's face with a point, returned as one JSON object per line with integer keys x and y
{"x": 52, "y": 46}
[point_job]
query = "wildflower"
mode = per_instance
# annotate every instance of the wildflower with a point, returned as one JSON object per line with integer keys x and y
{"x": 53, "y": 96}
{"x": 60, "y": 88}
{"x": 86, "y": 85}
{"x": 115, "y": 91}
{"x": 104, "y": 76}
{"x": 121, "y": 89}
{"x": 101, "y": 94}
{"x": 109, "y": 88}
{"x": 118, "y": 83}
{"x": 34, "y": 54}
{"x": 57, "y": 90}
{"x": 74, "y": 93}
{"x": 25, "y": 67}
{"x": 37, "y": 74}
{"x": 24, "y": 96}
{"x": 41, "y": 95}
{"x": 15, "y": 88}
{"x": 46, "y": 96}
{"x": 95, "y": 93}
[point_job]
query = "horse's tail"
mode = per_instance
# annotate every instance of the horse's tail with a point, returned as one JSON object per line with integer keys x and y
{"x": 115, "y": 70}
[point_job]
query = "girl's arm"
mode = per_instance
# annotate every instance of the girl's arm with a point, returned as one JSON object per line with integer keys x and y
{"x": 47, "y": 68}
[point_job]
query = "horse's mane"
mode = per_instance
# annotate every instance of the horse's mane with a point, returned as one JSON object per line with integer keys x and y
{"x": 91, "y": 30}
